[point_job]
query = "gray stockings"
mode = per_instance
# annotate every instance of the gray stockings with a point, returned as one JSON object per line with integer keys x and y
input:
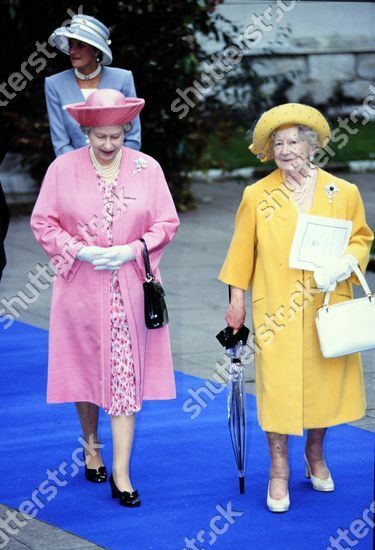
{"x": 278, "y": 445}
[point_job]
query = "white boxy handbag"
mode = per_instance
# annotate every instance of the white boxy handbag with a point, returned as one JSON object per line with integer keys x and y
{"x": 347, "y": 327}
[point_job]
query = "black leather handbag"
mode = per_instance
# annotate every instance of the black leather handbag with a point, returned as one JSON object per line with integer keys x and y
{"x": 156, "y": 313}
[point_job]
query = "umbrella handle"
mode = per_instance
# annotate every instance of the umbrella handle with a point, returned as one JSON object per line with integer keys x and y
{"x": 242, "y": 485}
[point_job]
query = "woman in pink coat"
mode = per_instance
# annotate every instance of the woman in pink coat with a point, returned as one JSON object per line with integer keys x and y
{"x": 94, "y": 206}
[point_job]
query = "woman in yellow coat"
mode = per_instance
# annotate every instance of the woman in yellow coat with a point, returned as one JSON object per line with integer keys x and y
{"x": 296, "y": 387}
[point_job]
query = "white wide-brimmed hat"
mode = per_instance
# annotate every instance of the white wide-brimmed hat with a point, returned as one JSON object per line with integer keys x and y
{"x": 85, "y": 29}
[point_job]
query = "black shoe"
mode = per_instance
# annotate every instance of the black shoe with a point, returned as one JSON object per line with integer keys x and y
{"x": 131, "y": 500}
{"x": 95, "y": 475}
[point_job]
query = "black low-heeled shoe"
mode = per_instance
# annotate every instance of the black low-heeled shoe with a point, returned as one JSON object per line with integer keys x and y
{"x": 98, "y": 475}
{"x": 131, "y": 500}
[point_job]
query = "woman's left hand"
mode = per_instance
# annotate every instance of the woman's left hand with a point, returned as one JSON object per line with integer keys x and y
{"x": 114, "y": 257}
{"x": 334, "y": 272}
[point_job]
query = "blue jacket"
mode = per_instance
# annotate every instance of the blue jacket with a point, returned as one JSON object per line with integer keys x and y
{"x": 62, "y": 89}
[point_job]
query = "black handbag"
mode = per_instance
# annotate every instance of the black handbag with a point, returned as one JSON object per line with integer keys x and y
{"x": 156, "y": 313}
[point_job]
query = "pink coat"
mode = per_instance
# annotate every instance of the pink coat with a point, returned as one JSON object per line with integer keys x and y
{"x": 69, "y": 211}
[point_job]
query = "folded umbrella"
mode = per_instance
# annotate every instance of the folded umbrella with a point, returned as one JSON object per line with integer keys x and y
{"x": 236, "y": 396}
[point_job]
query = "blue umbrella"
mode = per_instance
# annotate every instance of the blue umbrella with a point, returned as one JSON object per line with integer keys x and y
{"x": 236, "y": 396}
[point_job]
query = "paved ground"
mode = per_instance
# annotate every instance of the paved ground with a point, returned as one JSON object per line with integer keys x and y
{"x": 196, "y": 300}
{"x": 38, "y": 535}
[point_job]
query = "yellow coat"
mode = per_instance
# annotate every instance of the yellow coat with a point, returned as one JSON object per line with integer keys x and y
{"x": 296, "y": 387}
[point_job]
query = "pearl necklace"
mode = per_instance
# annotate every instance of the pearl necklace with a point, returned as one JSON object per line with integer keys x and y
{"x": 108, "y": 172}
{"x": 82, "y": 76}
{"x": 299, "y": 194}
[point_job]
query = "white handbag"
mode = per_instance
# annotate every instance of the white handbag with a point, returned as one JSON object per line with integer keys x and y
{"x": 347, "y": 327}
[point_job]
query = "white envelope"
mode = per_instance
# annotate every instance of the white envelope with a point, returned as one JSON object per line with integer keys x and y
{"x": 318, "y": 239}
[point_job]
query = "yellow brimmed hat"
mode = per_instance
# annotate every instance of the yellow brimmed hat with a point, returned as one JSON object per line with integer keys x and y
{"x": 284, "y": 115}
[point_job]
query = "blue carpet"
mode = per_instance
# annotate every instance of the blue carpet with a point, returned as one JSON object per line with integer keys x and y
{"x": 183, "y": 468}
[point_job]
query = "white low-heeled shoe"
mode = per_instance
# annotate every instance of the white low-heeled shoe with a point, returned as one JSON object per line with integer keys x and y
{"x": 277, "y": 504}
{"x": 318, "y": 483}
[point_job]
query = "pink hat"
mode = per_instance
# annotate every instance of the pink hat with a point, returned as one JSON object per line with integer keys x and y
{"x": 106, "y": 107}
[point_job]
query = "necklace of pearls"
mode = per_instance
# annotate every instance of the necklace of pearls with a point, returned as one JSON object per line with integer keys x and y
{"x": 82, "y": 76}
{"x": 300, "y": 193}
{"x": 108, "y": 172}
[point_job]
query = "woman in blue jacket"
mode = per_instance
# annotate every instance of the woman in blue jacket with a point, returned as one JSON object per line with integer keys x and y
{"x": 86, "y": 41}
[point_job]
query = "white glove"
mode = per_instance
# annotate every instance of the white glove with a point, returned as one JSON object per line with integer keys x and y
{"x": 90, "y": 253}
{"x": 114, "y": 257}
{"x": 334, "y": 272}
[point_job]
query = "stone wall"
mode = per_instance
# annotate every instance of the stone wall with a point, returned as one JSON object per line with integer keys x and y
{"x": 320, "y": 52}
{"x": 320, "y": 79}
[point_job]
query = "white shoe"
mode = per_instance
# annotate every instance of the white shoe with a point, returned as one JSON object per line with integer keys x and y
{"x": 318, "y": 483}
{"x": 277, "y": 504}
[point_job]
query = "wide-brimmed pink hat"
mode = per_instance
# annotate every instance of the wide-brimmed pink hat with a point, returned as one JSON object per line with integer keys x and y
{"x": 106, "y": 107}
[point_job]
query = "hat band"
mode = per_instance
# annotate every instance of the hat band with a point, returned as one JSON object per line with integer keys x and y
{"x": 81, "y": 20}
{"x": 90, "y": 29}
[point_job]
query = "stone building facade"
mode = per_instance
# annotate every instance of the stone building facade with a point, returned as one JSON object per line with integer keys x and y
{"x": 321, "y": 52}
{"x": 319, "y": 78}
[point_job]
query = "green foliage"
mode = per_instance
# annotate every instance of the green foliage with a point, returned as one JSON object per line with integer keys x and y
{"x": 227, "y": 148}
{"x": 156, "y": 39}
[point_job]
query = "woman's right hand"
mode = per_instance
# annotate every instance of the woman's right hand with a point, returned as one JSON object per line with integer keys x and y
{"x": 235, "y": 316}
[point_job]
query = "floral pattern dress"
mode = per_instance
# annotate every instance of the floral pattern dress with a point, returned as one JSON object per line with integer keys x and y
{"x": 123, "y": 392}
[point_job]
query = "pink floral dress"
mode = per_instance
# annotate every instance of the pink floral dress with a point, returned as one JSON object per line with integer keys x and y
{"x": 123, "y": 398}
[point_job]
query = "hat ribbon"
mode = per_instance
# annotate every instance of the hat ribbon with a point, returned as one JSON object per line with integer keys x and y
{"x": 79, "y": 23}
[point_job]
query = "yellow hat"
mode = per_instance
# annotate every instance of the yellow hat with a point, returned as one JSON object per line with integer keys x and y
{"x": 282, "y": 115}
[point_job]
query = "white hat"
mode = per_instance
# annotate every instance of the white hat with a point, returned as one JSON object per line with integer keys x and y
{"x": 85, "y": 29}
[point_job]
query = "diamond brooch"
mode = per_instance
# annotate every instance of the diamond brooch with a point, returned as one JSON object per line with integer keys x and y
{"x": 331, "y": 191}
{"x": 140, "y": 163}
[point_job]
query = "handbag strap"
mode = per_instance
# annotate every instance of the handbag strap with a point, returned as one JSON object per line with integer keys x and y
{"x": 361, "y": 279}
{"x": 149, "y": 275}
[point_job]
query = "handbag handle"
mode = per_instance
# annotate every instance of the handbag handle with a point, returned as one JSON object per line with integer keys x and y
{"x": 361, "y": 279}
{"x": 149, "y": 275}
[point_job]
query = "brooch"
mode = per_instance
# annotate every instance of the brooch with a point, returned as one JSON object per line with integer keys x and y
{"x": 140, "y": 164}
{"x": 331, "y": 191}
